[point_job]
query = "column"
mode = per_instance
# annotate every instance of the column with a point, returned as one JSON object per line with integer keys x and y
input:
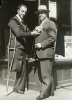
{"x": 39, "y": 2}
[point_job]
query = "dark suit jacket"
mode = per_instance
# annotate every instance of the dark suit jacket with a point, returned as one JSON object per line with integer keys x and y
{"x": 47, "y": 39}
{"x": 19, "y": 31}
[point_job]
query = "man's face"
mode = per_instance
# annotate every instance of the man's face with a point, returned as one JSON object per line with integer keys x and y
{"x": 22, "y": 11}
{"x": 42, "y": 15}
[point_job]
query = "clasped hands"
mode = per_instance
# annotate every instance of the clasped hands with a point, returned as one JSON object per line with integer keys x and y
{"x": 37, "y": 30}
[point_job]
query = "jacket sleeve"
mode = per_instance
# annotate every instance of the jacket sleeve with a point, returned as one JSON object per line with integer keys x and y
{"x": 52, "y": 34}
{"x": 50, "y": 40}
{"x": 17, "y": 30}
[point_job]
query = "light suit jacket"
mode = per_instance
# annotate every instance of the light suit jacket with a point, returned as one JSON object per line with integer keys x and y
{"x": 47, "y": 39}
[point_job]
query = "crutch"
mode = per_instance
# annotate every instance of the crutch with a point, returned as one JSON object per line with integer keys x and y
{"x": 10, "y": 64}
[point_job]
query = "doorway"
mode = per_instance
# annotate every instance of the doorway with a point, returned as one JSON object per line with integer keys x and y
{"x": 32, "y": 22}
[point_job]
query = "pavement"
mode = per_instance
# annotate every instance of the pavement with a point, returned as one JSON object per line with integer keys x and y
{"x": 64, "y": 93}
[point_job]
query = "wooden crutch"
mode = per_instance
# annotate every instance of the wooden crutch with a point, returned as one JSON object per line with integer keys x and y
{"x": 10, "y": 64}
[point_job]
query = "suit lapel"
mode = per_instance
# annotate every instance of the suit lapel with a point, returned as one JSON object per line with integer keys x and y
{"x": 16, "y": 18}
{"x": 23, "y": 25}
{"x": 45, "y": 21}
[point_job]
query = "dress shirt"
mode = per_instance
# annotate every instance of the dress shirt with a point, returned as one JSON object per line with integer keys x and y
{"x": 19, "y": 18}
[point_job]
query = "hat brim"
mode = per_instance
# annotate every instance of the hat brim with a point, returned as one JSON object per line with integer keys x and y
{"x": 37, "y": 12}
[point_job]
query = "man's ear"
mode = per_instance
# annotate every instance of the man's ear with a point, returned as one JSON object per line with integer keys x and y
{"x": 17, "y": 10}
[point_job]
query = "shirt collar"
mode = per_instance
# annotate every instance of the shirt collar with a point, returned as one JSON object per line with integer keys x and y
{"x": 43, "y": 21}
{"x": 19, "y": 18}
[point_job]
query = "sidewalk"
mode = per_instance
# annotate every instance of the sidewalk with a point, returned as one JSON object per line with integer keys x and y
{"x": 60, "y": 94}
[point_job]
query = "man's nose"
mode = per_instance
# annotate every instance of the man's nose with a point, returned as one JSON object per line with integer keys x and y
{"x": 24, "y": 13}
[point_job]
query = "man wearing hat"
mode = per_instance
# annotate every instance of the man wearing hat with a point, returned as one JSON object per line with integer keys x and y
{"x": 44, "y": 44}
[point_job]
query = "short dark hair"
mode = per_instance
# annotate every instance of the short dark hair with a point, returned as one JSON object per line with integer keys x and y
{"x": 21, "y": 6}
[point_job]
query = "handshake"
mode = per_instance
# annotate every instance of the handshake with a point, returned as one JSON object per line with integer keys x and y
{"x": 37, "y": 30}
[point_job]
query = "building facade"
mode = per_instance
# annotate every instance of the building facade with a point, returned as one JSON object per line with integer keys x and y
{"x": 62, "y": 68}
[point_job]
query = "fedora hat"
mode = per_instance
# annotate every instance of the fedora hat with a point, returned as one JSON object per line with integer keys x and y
{"x": 42, "y": 8}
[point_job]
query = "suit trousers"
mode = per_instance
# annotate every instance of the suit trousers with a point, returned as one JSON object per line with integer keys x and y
{"x": 20, "y": 76}
{"x": 46, "y": 74}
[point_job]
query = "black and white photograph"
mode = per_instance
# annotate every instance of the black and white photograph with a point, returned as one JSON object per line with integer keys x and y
{"x": 35, "y": 49}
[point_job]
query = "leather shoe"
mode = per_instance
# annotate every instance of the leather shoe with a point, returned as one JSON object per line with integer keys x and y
{"x": 18, "y": 91}
{"x": 41, "y": 97}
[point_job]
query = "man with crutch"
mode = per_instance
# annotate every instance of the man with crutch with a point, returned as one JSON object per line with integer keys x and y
{"x": 19, "y": 31}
